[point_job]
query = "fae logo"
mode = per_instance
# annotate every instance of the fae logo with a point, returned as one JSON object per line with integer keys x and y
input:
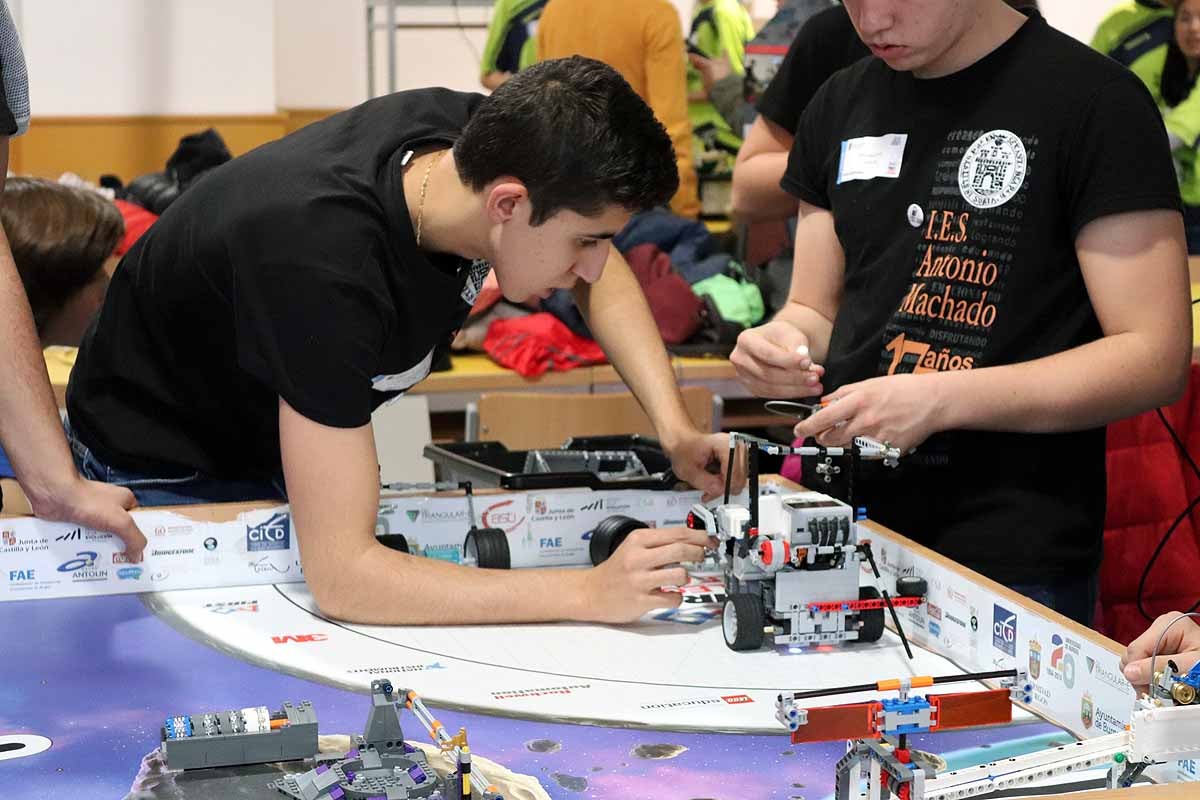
{"x": 737, "y": 699}
{"x": 270, "y": 535}
{"x": 299, "y": 638}
{"x": 21, "y": 575}
{"x": 549, "y": 543}
{"x": 1004, "y": 630}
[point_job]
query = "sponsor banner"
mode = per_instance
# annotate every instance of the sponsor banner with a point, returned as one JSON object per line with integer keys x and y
{"x": 42, "y": 559}
{"x": 1076, "y": 683}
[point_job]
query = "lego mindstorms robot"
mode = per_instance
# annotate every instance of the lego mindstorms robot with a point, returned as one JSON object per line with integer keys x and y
{"x": 791, "y": 562}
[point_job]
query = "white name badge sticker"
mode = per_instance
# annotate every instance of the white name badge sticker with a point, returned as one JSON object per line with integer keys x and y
{"x": 871, "y": 157}
{"x": 402, "y": 381}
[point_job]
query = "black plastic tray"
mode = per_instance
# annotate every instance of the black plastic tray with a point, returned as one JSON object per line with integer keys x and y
{"x": 492, "y": 465}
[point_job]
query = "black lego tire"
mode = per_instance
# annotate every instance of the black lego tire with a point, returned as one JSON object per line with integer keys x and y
{"x": 742, "y": 622}
{"x": 394, "y": 541}
{"x": 911, "y": 586}
{"x": 490, "y": 547}
{"x": 872, "y": 620}
{"x": 609, "y": 535}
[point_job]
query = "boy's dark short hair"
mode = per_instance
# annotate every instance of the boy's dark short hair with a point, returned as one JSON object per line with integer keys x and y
{"x": 60, "y": 237}
{"x": 576, "y": 134}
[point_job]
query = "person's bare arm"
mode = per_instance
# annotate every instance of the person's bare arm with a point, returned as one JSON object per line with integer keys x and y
{"x": 333, "y": 489}
{"x": 760, "y": 165}
{"x": 1135, "y": 269}
{"x": 495, "y": 79}
{"x": 30, "y": 429}
{"x": 783, "y": 358}
{"x": 619, "y": 318}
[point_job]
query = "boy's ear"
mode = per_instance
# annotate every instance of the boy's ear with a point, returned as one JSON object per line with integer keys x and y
{"x": 504, "y": 199}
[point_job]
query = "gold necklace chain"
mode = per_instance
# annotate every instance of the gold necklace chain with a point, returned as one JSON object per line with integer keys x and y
{"x": 424, "y": 188}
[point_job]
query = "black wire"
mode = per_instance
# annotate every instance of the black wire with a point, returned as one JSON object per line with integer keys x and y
{"x": 463, "y": 32}
{"x": 1174, "y": 525}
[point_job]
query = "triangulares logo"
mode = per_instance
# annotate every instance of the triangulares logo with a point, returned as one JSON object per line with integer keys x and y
{"x": 993, "y": 169}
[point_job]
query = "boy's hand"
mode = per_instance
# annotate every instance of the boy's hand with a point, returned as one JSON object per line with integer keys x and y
{"x": 899, "y": 410}
{"x": 1181, "y": 645}
{"x": 629, "y": 584}
{"x": 691, "y": 456}
{"x": 773, "y": 361}
{"x": 95, "y": 505}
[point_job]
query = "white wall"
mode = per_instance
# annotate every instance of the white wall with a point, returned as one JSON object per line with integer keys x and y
{"x": 320, "y": 53}
{"x": 118, "y": 57}
{"x": 1078, "y": 18}
{"x": 126, "y": 57}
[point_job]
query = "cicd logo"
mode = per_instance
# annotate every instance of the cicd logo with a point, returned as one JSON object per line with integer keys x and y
{"x": 1004, "y": 630}
{"x": 502, "y": 517}
{"x": 82, "y": 560}
{"x": 270, "y": 535}
{"x": 737, "y": 699}
{"x": 299, "y": 638}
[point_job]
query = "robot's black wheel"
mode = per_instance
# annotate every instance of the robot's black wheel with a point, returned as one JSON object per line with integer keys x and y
{"x": 488, "y": 547}
{"x": 609, "y": 535}
{"x": 911, "y": 586}
{"x": 872, "y": 620}
{"x": 394, "y": 541}
{"x": 743, "y": 622}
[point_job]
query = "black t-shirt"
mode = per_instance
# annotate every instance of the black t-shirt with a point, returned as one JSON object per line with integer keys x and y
{"x": 967, "y": 260}
{"x": 826, "y": 44}
{"x": 293, "y": 272}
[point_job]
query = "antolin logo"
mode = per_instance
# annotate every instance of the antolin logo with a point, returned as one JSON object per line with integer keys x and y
{"x": 299, "y": 638}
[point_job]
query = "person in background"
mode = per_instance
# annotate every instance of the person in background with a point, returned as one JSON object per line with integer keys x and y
{"x": 720, "y": 30}
{"x": 1179, "y": 102}
{"x": 511, "y": 44}
{"x": 1136, "y": 34}
{"x": 30, "y": 429}
{"x": 643, "y": 41}
{"x": 1181, "y": 644}
{"x": 62, "y": 240}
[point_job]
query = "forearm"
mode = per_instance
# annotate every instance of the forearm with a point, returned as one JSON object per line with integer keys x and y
{"x": 757, "y": 195}
{"x": 812, "y": 324}
{"x": 375, "y": 585}
{"x": 30, "y": 429}
{"x": 619, "y": 318}
{"x": 1112, "y": 378}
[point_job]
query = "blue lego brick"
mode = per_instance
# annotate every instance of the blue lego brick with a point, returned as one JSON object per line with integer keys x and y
{"x": 1192, "y": 678}
{"x": 913, "y": 706}
{"x": 417, "y": 774}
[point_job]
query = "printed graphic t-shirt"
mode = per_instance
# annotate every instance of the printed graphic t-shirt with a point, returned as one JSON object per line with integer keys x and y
{"x": 957, "y": 201}
{"x": 292, "y": 272}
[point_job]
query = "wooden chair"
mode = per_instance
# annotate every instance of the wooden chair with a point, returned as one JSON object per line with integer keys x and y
{"x": 537, "y": 420}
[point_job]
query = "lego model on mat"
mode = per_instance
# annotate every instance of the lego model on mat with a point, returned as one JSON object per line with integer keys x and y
{"x": 791, "y": 562}
{"x": 380, "y": 765}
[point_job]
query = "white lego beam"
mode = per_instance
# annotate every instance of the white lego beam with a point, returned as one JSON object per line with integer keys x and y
{"x": 1015, "y": 772}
